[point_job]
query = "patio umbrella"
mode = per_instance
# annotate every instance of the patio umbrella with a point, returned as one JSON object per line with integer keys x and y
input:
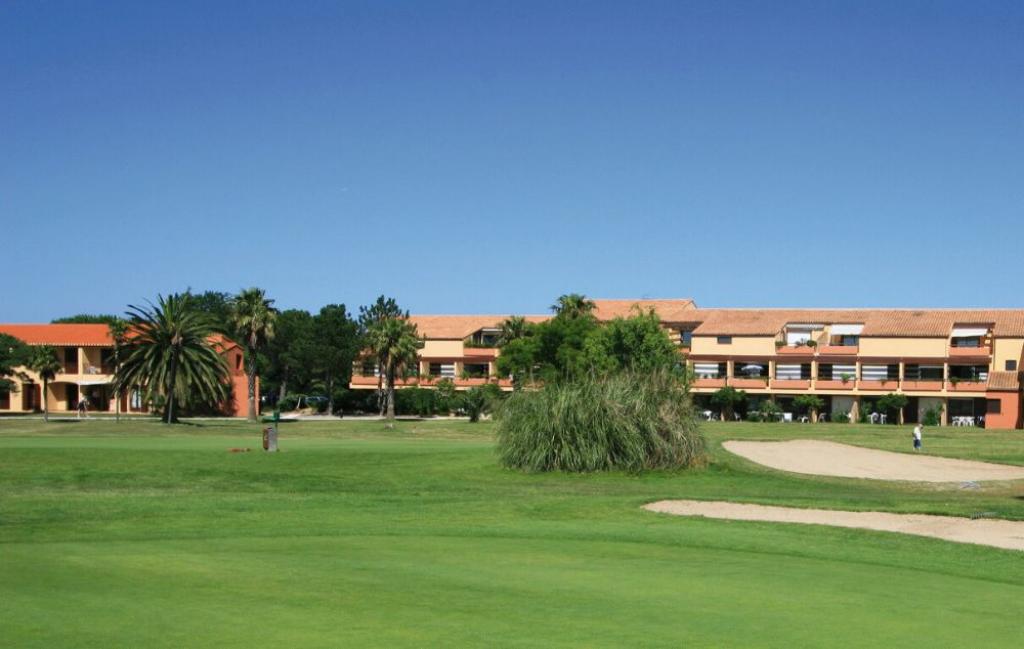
{"x": 752, "y": 369}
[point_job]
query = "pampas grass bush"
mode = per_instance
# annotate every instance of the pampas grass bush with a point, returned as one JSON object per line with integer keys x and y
{"x": 627, "y": 421}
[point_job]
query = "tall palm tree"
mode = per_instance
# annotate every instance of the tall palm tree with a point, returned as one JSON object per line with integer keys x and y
{"x": 119, "y": 335}
{"x": 45, "y": 363}
{"x": 512, "y": 327}
{"x": 252, "y": 318}
{"x": 369, "y": 316}
{"x": 573, "y": 305}
{"x": 170, "y": 355}
{"x": 394, "y": 341}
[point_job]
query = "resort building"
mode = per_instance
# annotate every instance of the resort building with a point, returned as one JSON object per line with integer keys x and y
{"x": 963, "y": 365}
{"x": 87, "y": 352}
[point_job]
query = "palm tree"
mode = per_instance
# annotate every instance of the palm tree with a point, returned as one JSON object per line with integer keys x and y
{"x": 45, "y": 363}
{"x": 573, "y": 305}
{"x": 252, "y": 319}
{"x": 394, "y": 341}
{"x": 369, "y": 316}
{"x": 119, "y": 335}
{"x": 170, "y": 355}
{"x": 512, "y": 328}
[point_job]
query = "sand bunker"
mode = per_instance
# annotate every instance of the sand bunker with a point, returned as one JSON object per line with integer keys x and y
{"x": 996, "y": 533}
{"x": 845, "y": 461}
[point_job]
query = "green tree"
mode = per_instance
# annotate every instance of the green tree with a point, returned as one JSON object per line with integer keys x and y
{"x": 44, "y": 362}
{"x": 728, "y": 400}
{"x": 217, "y": 307}
{"x": 118, "y": 328}
{"x": 335, "y": 344}
{"x": 252, "y": 321}
{"x": 513, "y": 328}
{"x": 290, "y": 356}
{"x": 170, "y": 355}
{"x": 637, "y": 343}
{"x": 811, "y": 403}
{"x": 13, "y": 354}
{"x": 892, "y": 401}
{"x": 86, "y": 318}
{"x": 394, "y": 342}
{"x": 574, "y": 305}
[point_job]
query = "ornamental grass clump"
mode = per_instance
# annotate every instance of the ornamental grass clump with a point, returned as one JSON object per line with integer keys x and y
{"x": 625, "y": 421}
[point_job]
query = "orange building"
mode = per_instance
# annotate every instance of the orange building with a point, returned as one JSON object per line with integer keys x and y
{"x": 963, "y": 364}
{"x": 86, "y": 351}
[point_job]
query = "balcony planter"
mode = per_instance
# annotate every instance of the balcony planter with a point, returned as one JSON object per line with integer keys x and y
{"x": 480, "y": 352}
{"x": 889, "y": 384}
{"x": 968, "y": 386}
{"x": 799, "y": 350}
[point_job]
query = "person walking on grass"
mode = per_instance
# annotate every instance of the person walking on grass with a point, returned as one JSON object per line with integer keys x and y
{"x": 917, "y": 437}
{"x": 83, "y": 405}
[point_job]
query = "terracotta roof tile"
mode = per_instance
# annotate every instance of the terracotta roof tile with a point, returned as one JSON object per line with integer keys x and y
{"x": 1003, "y": 380}
{"x": 457, "y": 327}
{"x": 79, "y": 335}
{"x": 678, "y": 310}
{"x": 877, "y": 322}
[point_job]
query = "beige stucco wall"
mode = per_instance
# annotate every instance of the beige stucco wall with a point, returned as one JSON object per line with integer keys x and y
{"x": 904, "y": 347}
{"x": 441, "y": 349}
{"x": 1004, "y": 349}
{"x": 740, "y": 346}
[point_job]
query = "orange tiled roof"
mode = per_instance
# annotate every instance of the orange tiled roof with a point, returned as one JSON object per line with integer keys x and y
{"x": 679, "y": 310}
{"x": 1003, "y": 380}
{"x": 79, "y": 335}
{"x": 877, "y": 322}
{"x": 457, "y": 327}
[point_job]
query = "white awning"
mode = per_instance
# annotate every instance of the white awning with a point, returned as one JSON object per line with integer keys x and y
{"x": 969, "y": 332}
{"x": 847, "y": 329}
{"x": 805, "y": 326}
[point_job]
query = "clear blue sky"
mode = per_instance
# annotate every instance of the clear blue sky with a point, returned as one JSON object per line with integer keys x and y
{"x": 486, "y": 157}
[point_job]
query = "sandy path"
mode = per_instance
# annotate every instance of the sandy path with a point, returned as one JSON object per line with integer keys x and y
{"x": 996, "y": 533}
{"x": 845, "y": 461}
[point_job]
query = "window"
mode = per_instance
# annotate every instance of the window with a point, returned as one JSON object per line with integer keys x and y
{"x": 685, "y": 337}
{"x": 849, "y": 341}
{"x": 238, "y": 362}
{"x": 914, "y": 372}
{"x": 879, "y": 372}
{"x": 5, "y": 400}
{"x": 793, "y": 372}
{"x": 725, "y": 340}
{"x": 369, "y": 367}
{"x": 993, "y": 406}
{"x": 708, "y": 370}
{"x": 1011, "y": 366}
{"x": 446, "y": 370}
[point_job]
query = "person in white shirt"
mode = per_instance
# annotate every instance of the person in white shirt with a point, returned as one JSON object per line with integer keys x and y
{"x": 917, "y": 437}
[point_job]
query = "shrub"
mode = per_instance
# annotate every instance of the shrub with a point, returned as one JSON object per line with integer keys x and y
{"x": 625, "y": 421}
{"x": 841, "y": 418}
{"x": 932, "y": 416}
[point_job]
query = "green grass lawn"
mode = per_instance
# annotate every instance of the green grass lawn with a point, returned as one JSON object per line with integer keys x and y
{"x": 139, "y": 535}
